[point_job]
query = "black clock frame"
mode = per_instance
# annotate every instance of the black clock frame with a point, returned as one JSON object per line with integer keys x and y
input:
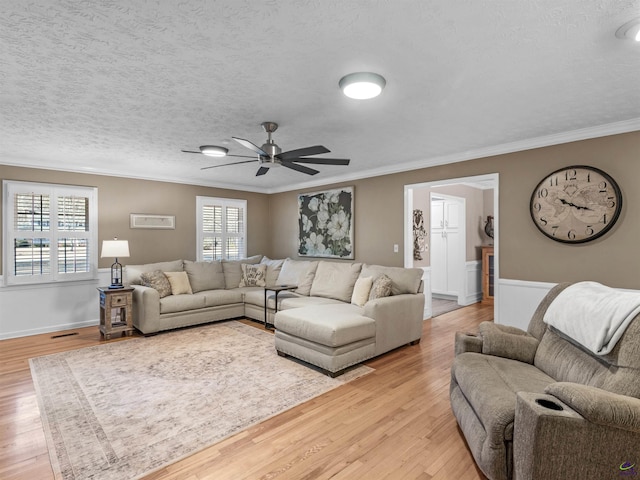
{"x": 612, "y": 222}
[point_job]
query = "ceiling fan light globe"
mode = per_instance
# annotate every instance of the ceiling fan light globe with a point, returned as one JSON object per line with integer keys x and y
{"x": 362, "y": 85}
{"x": 214, "y": 151}
{"x": 630, "y": 30}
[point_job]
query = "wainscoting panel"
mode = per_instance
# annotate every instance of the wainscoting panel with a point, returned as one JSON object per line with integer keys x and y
{"x": 34, "y": 309}
{"x": 426, "y": 280}
{"x": 473, "y": 285}
{"x": 518, "y": 300}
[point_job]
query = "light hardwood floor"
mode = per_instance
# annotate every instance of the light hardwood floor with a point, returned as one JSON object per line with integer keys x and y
{"x": 395, "y": 423}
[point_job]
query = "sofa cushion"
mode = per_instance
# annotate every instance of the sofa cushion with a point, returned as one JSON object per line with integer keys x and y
{"x": 330, "y": 325}
{"x": 300, "y": 301}
{"x": 382, "y": 287}
{"x": 179, "y": 283}
{"x": 181, "y": 303}
{"x": 298, "y": 272}
{"x": 361, "y": 290}
{"x": 253, "y": 275}
{"x": 403, "y": 280}
{"x": 131, "y": 273}
{"x": 233, "y": 271}
{"x": 204, "y": 275}
{"x": 217, "y": 298}
{"x": 273, "y": 270}
{"x": 158, "y": 281}
{"x": 490, "y": 385}
{"x": 335, "y": 280}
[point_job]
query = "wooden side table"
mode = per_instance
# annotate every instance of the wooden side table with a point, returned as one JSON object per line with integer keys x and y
{"x": 116, "y": 311}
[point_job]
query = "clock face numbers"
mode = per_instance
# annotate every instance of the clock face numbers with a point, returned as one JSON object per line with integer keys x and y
{"x": 576, "y": 204}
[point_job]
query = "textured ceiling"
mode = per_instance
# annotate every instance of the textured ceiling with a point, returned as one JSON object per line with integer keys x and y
{"x": 120, "y": 87}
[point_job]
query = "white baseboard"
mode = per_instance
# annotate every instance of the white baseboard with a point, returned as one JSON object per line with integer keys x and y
{"x": 49, "y": 329}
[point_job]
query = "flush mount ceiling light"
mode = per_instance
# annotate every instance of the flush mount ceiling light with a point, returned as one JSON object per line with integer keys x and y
{"x": 213, "y": 150}
{"x": 362, "y": 85}
{"x": 630, "y": 30}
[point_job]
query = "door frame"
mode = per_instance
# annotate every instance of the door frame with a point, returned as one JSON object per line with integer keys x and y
{"x": 492, "y": 179}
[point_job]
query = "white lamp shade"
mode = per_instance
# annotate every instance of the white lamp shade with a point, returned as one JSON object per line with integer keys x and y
{"x": 115, "y": 248}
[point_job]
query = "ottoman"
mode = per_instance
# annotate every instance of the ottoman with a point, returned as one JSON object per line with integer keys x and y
{"x": 331, "y": 337}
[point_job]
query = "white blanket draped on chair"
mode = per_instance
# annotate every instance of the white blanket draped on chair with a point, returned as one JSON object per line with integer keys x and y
{"x": 593, "y": 315}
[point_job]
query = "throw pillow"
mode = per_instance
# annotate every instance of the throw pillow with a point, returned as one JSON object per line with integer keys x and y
{"x": 273, "y": 269}
{"x": 253, "y": 275}
{"x": 179, "y": 283}
{"x": 381, "y": 287}
{"x": 361, "y": 291}
{"x": 158, "y": 281}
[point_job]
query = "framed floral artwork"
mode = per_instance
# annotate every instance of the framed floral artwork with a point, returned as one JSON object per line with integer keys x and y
{"x": 325, "y": 223}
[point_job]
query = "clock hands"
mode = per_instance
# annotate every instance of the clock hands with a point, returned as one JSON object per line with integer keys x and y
{"x": 571, "y": 204}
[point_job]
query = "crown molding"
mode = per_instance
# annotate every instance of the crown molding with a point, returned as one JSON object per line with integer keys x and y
{"x": 615, "y": 128}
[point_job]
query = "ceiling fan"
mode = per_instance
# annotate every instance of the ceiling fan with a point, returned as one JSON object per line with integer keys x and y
{"x": 271, "y": 155}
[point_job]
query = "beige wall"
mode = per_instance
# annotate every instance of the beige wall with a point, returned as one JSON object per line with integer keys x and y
{"x": 525, "y": 254}
{"x": 118, "y": 197}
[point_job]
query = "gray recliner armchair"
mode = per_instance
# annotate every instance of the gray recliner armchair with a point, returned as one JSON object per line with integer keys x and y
{"x": 536, "y": 405}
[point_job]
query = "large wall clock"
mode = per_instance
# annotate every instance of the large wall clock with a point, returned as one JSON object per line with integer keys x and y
{"x": 576, "y": 204}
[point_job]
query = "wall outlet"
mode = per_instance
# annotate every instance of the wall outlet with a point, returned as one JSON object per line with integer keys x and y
{"x": 395, "y": 248}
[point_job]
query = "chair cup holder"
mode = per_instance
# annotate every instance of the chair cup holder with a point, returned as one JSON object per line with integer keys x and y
{"x": 543, "y": 402}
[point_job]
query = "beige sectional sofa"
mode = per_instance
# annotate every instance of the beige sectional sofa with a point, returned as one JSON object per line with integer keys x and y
{"x": 538, "y": 405}
{"x": 321, "y": 321}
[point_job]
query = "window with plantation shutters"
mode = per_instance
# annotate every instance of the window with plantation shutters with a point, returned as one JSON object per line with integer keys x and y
{"x": 49, "y": 232}
{"x": 222, "y": 228}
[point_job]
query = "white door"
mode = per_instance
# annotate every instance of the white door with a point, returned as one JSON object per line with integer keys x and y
{"x": 447, "y": 254}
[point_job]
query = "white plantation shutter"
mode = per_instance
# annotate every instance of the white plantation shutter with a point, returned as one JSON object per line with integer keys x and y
{"x": 221, "y": 228}
{"x": 50, "y": 232}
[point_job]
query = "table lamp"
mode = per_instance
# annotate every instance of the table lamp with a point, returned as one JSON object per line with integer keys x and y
{"x": 115, "y": 248}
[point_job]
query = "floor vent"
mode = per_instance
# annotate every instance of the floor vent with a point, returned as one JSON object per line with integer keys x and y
{"x": 65, "y": 335}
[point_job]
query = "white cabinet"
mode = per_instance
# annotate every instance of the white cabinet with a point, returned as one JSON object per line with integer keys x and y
{"x": 447, "y": 245}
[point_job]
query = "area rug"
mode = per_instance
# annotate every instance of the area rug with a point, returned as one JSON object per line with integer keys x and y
{"x": 122, "y": 410}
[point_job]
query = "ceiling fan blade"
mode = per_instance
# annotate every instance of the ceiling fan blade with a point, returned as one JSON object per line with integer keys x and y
{"x": 251, "y": 146}
{"x": 321, "y": 161}
{"x": 303, "y": 152}
{"x": 190, "y": 151}
{"x": 227, "y": 164}
{"x": 261, "y": 171}
{"x": 242, "y": 156}
{"x": 299, "y": 168}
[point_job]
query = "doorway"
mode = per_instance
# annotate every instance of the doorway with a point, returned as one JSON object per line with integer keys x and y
{"x": 447, "y": 250}
{"x": 418, "y": 198}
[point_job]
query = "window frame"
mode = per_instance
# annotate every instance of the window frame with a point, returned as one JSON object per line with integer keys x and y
{"x": 9, "y": 231}
{"x": 201, "y": 202}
